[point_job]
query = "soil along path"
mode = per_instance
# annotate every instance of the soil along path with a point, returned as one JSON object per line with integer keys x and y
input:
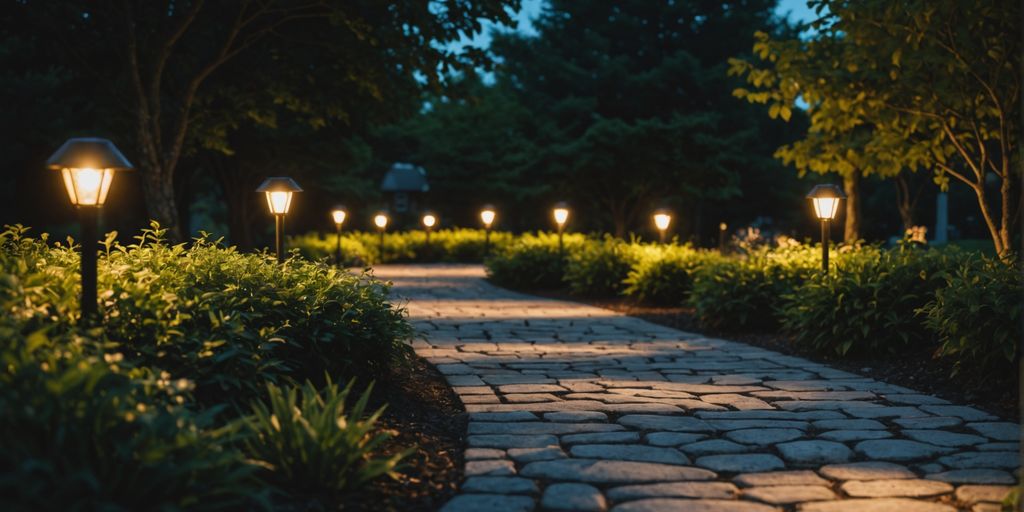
{"x": 573, "y": 407}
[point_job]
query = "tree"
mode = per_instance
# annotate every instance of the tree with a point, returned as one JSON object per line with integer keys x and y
{"x": 152, "y": 64}
{"x": 904, "y": 85}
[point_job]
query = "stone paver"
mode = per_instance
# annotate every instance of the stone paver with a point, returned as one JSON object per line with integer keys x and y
{"x": 573, "y": 407}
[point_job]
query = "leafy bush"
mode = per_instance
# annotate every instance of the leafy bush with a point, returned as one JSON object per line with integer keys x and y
{"x": 977, "y": 316}
{"x": 599, "y": 267}
{"x": 363, "y": 248}
{"x": 309, "y": 442}
{"x": 867, "y": 304}
{"x": 532, "y": 261}
{"x": 318, "y": 247}
{"x": 663, "y": 274}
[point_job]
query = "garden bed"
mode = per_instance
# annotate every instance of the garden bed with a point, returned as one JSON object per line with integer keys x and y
{"x": 913, "y": 369}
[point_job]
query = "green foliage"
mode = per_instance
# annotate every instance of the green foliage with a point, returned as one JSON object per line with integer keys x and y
{"x": 532, "y": 261}
{"x": 977, "y": 316}
{"x": 663, "y": 274}
{"x": 599, "y": 267}
{"x": 460, "y": 245}
{"x": 310, "y": 443}
{"x": 867, "y": 303}
{"x": 136, "y": 412}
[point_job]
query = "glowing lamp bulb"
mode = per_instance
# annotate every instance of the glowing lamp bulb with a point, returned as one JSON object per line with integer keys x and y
{"x": 338, "y": 216}
{"x": 826, "y": 207}
{"x": 381, "y": 220}
{"x": 561, "y": 215}
{"x": 662, "y": 221}
{"x": 429, "y": 220}
{"x": 87, "y": 186}
{"x": 279, "y": 202}
{"x": 487, "y": 216}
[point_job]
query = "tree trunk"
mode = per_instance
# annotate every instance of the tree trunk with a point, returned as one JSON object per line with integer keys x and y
{"x": 851, "y": 185}
{"x": 158, "y": 190}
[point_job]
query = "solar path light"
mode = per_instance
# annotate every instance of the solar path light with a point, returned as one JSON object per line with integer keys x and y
{"x": 279, "y": 191}
{"x": 825, "y": 199}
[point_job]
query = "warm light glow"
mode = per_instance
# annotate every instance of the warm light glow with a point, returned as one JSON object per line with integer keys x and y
{"x": 488, "y": 217}
{"x": 561, "y": 215}
{"x": 429, "y": 220}
{"x": 381, "y": 220}
{"x": 86, "y": 186}
{"x": 279, "y": 202}
{"x": 662, "y": 220}
{"x": 338, "y": 216}
{"x": 826, "y": 207}
{"x": 723, "y": 226}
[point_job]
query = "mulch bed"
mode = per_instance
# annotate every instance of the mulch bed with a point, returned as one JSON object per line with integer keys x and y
{"x": 422, "y": 411}
{"x": 913, "y": 369}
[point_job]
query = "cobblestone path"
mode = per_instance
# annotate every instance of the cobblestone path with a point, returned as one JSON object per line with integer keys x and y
{"x": 573, "y": 407}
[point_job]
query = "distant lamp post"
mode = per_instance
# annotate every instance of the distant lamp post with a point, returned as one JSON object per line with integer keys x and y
{"x": 825, "y": 199}
{"x": 487, "y": 215}
{"x": 561, "y": 214}
{"x": 662, "y": 220}
{"x": 279, "y": 191}
{"x": 429, "y": 221}
{"x": 723, "y": 228}
{"x": 338, "y": 214}
{"x": 87, "y": 166}
{"x": 381, "y": 221}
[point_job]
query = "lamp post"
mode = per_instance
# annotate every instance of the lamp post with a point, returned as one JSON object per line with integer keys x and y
{"x": 561, "y": 214}
{"x": 338, "y": 215}
{"x": 87, "y": 166}
{"x": 381, "y": 221}
{"x": 429, "y": 220}
{"x": 722, "y": 230}
{"x": 662, "y": 219}
{"x": 487, "y": 215}
{"x": 825, "y": 199}
{"x": 279, "y": 191}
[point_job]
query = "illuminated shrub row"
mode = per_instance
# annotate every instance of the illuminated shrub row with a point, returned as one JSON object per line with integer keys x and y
{"x": 873, "y": 301}
{"x": 187, "y": 397}
{"x": 361, "y": 248}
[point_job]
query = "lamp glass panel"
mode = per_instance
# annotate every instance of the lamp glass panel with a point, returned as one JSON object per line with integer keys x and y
{"x": 561, "y": 215}
{"x": 87, "y": 186}
{"x": 279, "y": 202}
{"x": 429, "y": 221}
{"x": 662, "y": 220}
{"x": 338, "y": 216}
{"x": 487, "y": 216}
{"x": 381, "y": 221}
{"x": 826, "y": 207}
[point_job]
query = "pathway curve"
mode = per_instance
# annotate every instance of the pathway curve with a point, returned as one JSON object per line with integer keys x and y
{"x": 573, "y": 407}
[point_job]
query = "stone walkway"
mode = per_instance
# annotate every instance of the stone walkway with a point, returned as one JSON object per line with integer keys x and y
{"x": 573, "y": 407}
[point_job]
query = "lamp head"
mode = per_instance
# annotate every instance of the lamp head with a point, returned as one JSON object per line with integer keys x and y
{"x": 662, "y": 219}
{"x": 487, "y": 214}
{"x": 561, "y": 213}
{"x": 429, "y": 220}
{"x": 87, "y": 166}
{"x": 338, "y": 214}
{"x": 279, "y": 192}
{"x": 825, "y": 199}
{"x": 381, "y": 220}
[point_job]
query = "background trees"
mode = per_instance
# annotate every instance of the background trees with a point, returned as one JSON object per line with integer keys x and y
{"x": 892, "y": 87}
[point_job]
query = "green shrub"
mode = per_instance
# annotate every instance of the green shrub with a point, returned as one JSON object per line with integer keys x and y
{"x": 977, "y": 317}
{"x": 663, "y": 274}
{"x": 85, "y": 432}
{"x": 309, "y": 442}
{"x": 318, "y": 247}
{"x": 363, "y": 248}
{"x": 597, "y": 268}
{"x": 744, "y": 293}
{"x": 867, "y": 304}
{"x": 532, "y": 261}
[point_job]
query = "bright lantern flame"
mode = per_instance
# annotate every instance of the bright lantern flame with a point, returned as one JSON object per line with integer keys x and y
{"x": 826, "y": 207}
{"x": 338, "y": 216}
{"x": 86, "y": 186}
{"x": 561, "y": 215}
{"x": 488, "y": 217}
{"x": 381, "y": 220}
{"x": 429, "y": 220}
{"x": 662, "y": 220}
{"x": 279, "y": 202}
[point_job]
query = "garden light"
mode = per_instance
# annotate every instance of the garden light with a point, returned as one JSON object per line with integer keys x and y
{"x": 825, "y": 199}
{"x": 279, "y": 191}
{"x": 487, "y": 215}
{"x": 561, "y": 214}
{"x": 662, "y": 219}
{"x": 338, "y": 215}
{"x": 429, "y": 220}
{"x": 722, "y": 230}
{"x": 87, "y": 166}
{"x": 381, "y": 221}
